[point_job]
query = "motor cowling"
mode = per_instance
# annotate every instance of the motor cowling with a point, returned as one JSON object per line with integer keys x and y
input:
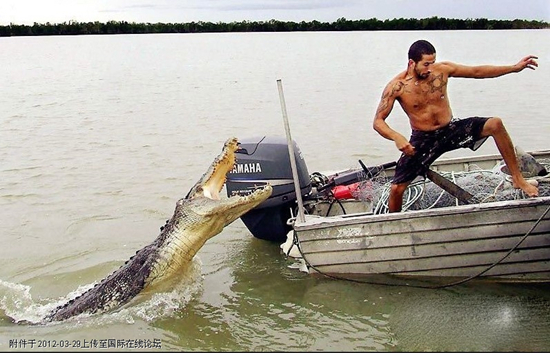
{"x": 262, "y": 160}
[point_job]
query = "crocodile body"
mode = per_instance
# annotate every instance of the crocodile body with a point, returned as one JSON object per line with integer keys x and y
{"x": 198, "y": 217}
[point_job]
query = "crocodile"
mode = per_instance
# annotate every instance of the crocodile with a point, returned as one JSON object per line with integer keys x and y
{"x": 199, "y": 216}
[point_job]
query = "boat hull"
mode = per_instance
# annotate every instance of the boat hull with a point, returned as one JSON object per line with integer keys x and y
{"x": 504, "y": 240}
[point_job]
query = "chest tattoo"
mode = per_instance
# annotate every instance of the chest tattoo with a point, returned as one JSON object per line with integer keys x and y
{"x": 437, "y": 83}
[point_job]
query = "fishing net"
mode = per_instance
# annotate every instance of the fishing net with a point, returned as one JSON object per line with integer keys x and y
{"x": 485, "y": 186}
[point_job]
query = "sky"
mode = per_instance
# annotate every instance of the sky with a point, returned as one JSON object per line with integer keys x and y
{"x": 179, "y": 11}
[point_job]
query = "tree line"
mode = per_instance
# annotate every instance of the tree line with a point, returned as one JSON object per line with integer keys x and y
{"x": 341, "y": 24}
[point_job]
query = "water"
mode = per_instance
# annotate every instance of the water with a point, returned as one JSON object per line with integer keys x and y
{"x": 101, "y": 135}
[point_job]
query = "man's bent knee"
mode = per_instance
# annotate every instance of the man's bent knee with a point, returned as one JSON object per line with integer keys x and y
{"x": 493, "y": 126}
{"x": 398, "y": 189}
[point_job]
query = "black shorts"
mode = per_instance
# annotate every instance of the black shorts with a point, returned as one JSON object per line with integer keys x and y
{"x": 430, "y": 145}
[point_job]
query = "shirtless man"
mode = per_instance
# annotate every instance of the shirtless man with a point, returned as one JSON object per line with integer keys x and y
{"x": 421, "y": 91}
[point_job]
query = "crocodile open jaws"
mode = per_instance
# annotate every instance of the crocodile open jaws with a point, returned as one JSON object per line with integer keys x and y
{"x": 197, "y": 217}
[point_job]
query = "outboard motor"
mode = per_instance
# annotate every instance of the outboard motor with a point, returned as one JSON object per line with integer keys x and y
{"x": 262, "y": 160}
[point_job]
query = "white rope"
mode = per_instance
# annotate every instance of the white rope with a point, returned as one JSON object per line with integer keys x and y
{"x": 419, "y": 195}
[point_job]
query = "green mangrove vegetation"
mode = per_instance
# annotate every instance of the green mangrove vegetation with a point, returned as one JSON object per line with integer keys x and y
{"x": 341, "y": 24}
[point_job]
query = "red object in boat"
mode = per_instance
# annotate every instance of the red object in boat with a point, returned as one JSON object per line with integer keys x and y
{"x": 342, "y": 192}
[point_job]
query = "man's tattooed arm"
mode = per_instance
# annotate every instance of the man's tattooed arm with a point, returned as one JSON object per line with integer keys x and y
{"x": 391, "y": 92}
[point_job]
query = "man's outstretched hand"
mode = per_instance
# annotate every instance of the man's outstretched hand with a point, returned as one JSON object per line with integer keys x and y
{"x": 527, "y": 62}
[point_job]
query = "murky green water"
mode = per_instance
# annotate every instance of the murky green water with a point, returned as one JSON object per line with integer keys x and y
{"x": 101, "y": 135}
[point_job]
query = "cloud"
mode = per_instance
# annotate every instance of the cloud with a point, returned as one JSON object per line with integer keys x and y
{"x": 285, "y": 5}
{"x": 227, "y": 10}
{"x": 242, "y": 5}
{"x": 29, "y": 11}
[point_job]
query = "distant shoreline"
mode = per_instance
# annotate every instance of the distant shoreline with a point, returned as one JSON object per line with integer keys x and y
{"x": 341, "y": 24}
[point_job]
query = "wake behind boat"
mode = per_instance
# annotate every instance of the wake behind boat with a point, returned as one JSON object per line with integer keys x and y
{"x": 345, "y": 231}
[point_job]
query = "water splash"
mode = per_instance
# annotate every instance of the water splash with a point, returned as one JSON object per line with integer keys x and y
{"x": 17, "y": 303}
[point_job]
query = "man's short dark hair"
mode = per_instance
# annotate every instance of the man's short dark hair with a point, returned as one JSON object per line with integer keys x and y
{"x": 419, "y": 48}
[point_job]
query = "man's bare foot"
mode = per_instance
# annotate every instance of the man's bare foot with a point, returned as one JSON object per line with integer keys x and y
{"x": 528, "y": 188}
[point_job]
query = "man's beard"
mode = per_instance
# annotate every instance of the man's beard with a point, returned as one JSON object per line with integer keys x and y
{"x": 421, "y": 76}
